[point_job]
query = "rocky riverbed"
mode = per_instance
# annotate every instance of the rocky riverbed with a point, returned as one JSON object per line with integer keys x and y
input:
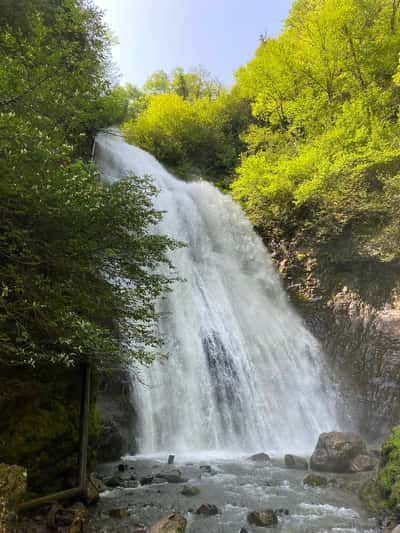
{"x": 146, "y": 488}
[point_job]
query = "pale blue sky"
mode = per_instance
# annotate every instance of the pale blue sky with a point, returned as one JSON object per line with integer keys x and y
{"x": 163, "y": 34}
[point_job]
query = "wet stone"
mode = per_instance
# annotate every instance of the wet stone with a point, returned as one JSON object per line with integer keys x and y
{"x": 207, "y": 509}
{"x": 260, "y": 458}
{"x": 147, "y": 480}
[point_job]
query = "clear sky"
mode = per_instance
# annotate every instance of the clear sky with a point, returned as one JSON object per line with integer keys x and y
{"x": 220, "y": 35}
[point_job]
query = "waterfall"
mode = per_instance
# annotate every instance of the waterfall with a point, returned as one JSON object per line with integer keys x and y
{"x": 243, "y": 373}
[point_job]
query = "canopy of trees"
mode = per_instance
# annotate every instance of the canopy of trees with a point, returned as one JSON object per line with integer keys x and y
{"x": 319, "y": 154}
{"x": 77, "y": 255}
{"x": 187, "y": 119}
{"x": 322, "y": 153}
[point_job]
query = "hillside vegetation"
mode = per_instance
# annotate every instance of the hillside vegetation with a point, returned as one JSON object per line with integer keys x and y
{"x": 318, "y": 157}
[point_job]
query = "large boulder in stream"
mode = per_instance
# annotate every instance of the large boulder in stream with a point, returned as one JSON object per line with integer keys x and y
{"x": 339, "y": 452}
{"x": 170, "y": 523}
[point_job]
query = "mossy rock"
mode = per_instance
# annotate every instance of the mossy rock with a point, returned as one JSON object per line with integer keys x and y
{"x": 190, "y": 491}
{"x": 371, "y": 497}
{"x": 389, "y": 471}
{"x": 313, "y": 480}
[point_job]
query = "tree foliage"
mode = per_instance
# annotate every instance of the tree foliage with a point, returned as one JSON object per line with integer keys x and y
{"x": 78, "y": 255}
{"x": 322, "y": 154}
{"x": 188, "y": 119}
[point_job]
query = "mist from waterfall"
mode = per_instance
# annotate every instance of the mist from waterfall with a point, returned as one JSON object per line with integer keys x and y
{"x": 243, "y": 373}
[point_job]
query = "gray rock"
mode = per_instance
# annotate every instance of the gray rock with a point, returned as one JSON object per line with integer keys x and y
{"x": 170, "y": 523}
{"x": 362, "y": 463}
{"x": 266, "y": 518}
{"x": 147, "y": 480}
{"x": 171, "y": 476}
{"x": 207, "y": 509}
{"x": 296, "y": 462}
{"x": 335, "y": 452}
{"x": 116, "y": 417}
{"x": 115, "y": 481}
{"x": 260, "y": 458}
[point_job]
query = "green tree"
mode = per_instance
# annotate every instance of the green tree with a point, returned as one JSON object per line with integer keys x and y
{"x": 78, "y": 257}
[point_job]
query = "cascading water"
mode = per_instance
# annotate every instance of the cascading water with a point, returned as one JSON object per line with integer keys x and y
{"x": 243, "y": 373}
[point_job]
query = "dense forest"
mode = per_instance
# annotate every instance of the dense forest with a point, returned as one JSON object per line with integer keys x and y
{"x": 77, "y": 254}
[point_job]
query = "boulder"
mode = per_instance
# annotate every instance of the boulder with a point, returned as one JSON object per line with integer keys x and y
{"x": 266, "y": 518}
{"x": 396, "y": 529}
{"x": 190, "y": 491}
{"x": 295, "y": 462}
{"x": 115, "y": 481}
{"x": 260, "y": 458}
{"x": 13, "y": 481}
{"x": 171, "y": 476}
{"x": 147, "y": 480}
{"x": 282, "y": 512}
{"x": 313, "y": 480}
{"x": 335, "y": 452}
{"x": 170, "y": 523}
{"x": 208, "y": 509}
{"x": 362, "y": 463}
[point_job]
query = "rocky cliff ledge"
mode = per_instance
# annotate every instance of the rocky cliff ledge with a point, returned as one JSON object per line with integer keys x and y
{"x": 352, "y": 305}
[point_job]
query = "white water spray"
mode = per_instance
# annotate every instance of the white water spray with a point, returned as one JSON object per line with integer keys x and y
{"x": 243, "y": 373}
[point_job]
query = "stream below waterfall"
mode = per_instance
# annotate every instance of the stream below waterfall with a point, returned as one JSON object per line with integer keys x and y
{"x": 236, "y": 486}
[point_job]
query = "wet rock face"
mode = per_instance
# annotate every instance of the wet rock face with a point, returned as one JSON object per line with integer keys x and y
{"x": 116, "y": 417}
{"x": 351, "y": 303}
{"x": 337, "y": 452}
{"x": 364, "y": 345}
{"x": 171, "y": 523}
{"x": 267, "y": 518}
